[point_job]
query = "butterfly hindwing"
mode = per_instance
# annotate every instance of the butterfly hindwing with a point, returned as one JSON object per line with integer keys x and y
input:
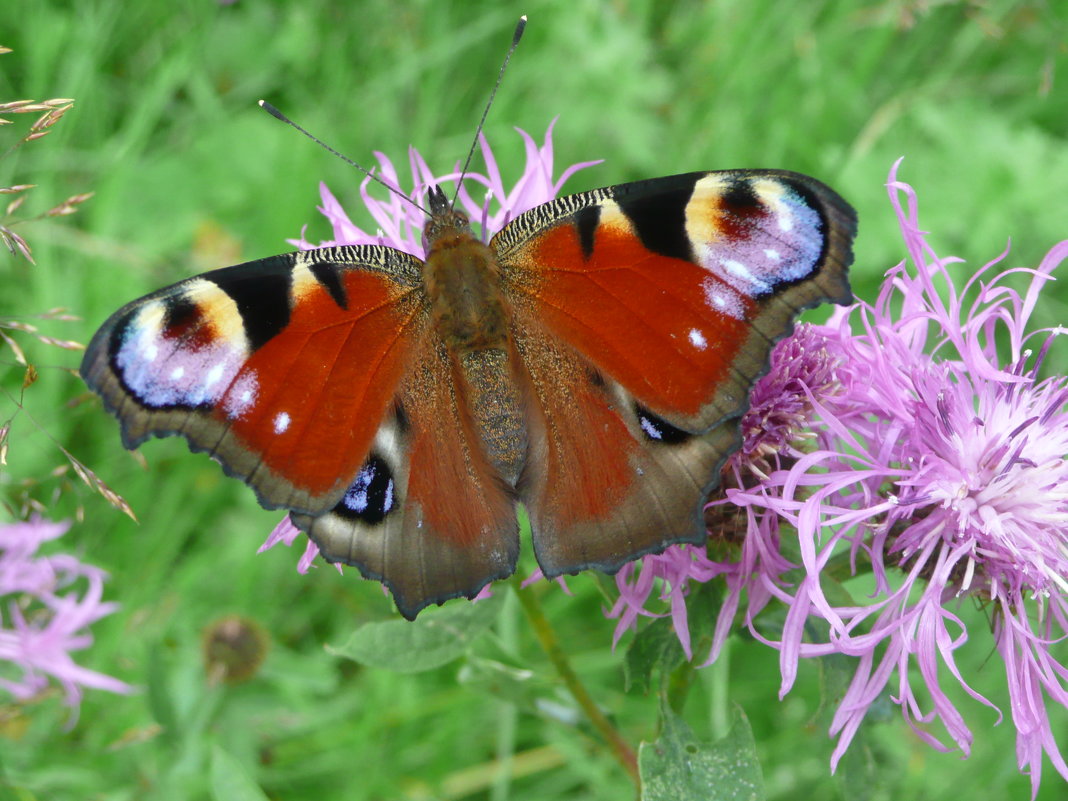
{"x": 606, "y": 479}
{"x": 281, "y": 368}
{"x": 644, "y": 313}
{"x": 428, "y": 514}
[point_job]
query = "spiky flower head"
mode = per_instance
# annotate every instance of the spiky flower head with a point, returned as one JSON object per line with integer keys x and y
{"x": 47, "y": 603}
{"x": 940, "y": 468}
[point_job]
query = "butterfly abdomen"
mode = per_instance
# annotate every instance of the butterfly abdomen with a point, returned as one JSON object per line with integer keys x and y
{"x": 496, "y": 405}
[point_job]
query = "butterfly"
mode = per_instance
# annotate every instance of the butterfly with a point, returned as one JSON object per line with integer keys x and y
{"x": 590, "y": 362}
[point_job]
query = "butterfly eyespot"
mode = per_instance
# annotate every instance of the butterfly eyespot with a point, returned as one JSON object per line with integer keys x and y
{"x": 371, "y": 496}
{"x": 242, "y": 396}
{"x": 180, "y": 317}
{"x": 740, "y": 197}
{"x": 658, "y": 429}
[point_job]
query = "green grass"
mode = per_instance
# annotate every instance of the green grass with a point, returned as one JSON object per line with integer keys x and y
{"x": 189, "y": 175}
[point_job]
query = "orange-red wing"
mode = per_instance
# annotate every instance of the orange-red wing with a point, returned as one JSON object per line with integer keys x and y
{"x": 427, "y": 514}
{"x": 643, "y": 314}
{"x": 678, "y": 287}
{"x": 282, "y": 368}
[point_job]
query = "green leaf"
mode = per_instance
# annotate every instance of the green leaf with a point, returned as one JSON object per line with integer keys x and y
{"x": 654, "y": 647}
{"x": 516, "y": 685}
{"x": 678, "y": 768}
{"x": 435, "y": 638}
{"x": 230, "y": 781}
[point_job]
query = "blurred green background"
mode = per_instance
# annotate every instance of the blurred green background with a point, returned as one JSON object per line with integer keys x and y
{"x": 190, "y": 175}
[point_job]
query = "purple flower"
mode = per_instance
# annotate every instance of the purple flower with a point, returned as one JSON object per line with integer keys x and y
{"x": 286, "y": 533}
{"x": 400, "y": 225}
{"x": 672, "y": 572}
{"x": 45, "y": 615}
{"x": 940, "y": 468}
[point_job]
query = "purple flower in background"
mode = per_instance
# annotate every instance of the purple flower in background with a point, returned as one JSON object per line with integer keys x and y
{"x": 400, "y": 225}
{"x": 940, "y": 468}
{"x": 672, "y": 571}
{"x": 47, "y": 604}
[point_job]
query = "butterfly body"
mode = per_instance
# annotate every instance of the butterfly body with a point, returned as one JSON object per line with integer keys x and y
{"x": 590, "y": 362}
{"x": 462, "y": 281}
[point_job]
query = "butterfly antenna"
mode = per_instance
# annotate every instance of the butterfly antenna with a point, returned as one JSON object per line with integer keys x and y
{"x": 519, "y": 28}
{"x": 279, "y": 115}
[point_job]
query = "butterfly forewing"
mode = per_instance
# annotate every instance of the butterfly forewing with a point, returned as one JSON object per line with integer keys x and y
{"x": 280, "y": 368}
{"x": 677, "y": 287}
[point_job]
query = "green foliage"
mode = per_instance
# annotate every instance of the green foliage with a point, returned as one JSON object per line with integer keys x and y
{"x": 655, "y": 648}
{"x": 678, "y": 768}
{"x": 435, "y": 638}
{"x": 190, "y": 175}
{"x": 230, "y": 780}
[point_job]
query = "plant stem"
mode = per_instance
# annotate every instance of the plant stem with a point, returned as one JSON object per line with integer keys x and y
{"x": 508, "y": 713}
{"x": 549, "y": 642}
{"x": 718, "y": 676}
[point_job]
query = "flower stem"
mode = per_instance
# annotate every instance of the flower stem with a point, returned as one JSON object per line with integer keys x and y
{"x": 549, "y": 642}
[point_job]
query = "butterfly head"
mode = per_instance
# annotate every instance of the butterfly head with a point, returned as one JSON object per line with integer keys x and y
{"x": 445, "y": 222}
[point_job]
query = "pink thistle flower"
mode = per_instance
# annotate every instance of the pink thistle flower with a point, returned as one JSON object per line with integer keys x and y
{"x": 44, "y": 616}
{"x": 400, "y": 225}
{"x": 941, "y": 469}
{"x": 286, "y": 533}
{"x": 672, "y": 571}
{"x": 803, "y": 366}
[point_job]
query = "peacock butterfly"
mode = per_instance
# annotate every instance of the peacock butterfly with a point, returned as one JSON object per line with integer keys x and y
{"x": 590, "y": 362}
